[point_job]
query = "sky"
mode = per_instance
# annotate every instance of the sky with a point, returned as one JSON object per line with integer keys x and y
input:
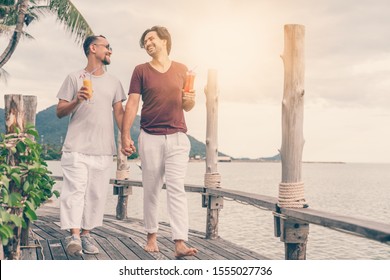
{"x": 347, "y": 67}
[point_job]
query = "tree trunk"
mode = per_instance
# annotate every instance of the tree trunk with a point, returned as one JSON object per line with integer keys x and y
{"x": 13, "y": 42}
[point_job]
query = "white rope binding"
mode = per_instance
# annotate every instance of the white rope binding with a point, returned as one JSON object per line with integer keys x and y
{"x": 123, "y": 174}
{"x": 212, "y": 180}
{"x": 292, "y": 195}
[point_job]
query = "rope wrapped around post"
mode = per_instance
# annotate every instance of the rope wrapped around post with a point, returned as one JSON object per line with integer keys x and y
{"x": 123, "y": 174}
{"x": 292, "y": 195}
{"x": 212, "y": 180}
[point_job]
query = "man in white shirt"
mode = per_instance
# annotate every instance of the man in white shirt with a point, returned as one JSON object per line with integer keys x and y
{"x": 89, "y": 144}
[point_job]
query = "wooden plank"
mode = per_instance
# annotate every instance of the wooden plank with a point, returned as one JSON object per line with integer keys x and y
{"x": 107, "y": 232}
{"x": 57, "y": 250}
{"x": 240, "y": 251}
{"x": 363, "y": 227}
{"x": 46, "y": 250}
{"x": 40, "y": 255}
{"x": 103, "y": 255}
{"x": 89, "y": 257}
{"x": 164, "y": 253}
{"x": 131, "y": 229}
{"x": 51, "y": 229}
{"x": 217, "y": 249}
{"x": 264, "y": 201}
{"x": 168, "y": 243}
{"x": 28, "y": 253}
{"x": 40, "y": 233}
{"x": 123, "y": 249}
{"x": 207, "y": 249}
{"x": 134, "y": 247}
{"x": 111, "y": 251}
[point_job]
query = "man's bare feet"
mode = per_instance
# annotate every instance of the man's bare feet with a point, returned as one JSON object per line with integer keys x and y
{"x": 151, "y": 244}
{"x": 181, "y": 249}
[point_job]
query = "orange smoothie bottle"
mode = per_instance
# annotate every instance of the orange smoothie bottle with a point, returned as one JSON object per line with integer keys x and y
{"x": 190, "y": 78}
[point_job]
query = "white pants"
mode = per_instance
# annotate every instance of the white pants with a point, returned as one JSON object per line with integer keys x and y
{"x": 165, "y": 158}
{"x": 84, "y": 190}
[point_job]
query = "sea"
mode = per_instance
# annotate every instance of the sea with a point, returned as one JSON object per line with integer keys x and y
{"x": 360, "y": 190}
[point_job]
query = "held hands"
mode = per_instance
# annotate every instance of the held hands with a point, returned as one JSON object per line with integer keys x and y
{"x": 128, "y": 147}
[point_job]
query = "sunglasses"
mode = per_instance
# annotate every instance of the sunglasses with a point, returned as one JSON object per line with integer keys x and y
{"x": 108, "y": 47}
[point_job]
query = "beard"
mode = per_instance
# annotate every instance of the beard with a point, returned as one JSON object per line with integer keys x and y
{"x": 106, "y": 61}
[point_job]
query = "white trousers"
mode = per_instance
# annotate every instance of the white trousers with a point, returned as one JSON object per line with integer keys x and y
{"x": 164, "y": 158}
{"x": 84, "y": 190}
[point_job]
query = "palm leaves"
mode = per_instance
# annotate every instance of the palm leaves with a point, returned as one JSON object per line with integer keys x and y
{"x": 71, "y": 18}
{"x": 15, "y": 14}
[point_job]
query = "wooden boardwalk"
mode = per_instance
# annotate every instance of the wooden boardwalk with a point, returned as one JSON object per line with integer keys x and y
{"x": 122, "y": 240}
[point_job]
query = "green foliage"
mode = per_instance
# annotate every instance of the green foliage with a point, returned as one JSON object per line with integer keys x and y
{"x": 25, "y": 181}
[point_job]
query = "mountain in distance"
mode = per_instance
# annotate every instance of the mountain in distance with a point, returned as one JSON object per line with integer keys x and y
{"x": 52, "y": 131}
{"x": 273, "y": 158}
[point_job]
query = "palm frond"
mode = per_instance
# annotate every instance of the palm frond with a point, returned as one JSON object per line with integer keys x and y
{"x": 3, "y": 76}
{"x": 7, "y": 2}
{"x": 8, "y": 13}
{"x": 5, "y": 30}
{"x": 71, "y": 18}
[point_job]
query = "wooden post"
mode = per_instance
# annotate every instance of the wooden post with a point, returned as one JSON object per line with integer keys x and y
{"x": 30, "y": 111}
{"x": 212, "y": 177}
{"x": 291, "y": 193}
{"x": 122, "y": 172}
{"x": 14, "y": 113}
{"x": 14, "y": 121}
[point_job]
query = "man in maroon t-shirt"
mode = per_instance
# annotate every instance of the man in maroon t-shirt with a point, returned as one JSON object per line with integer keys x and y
{"x": 163, "y": 144}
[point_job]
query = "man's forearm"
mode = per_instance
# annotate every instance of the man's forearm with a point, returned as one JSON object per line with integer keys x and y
{"x": 65, "y": 108}
{"x": 128, "y": 119}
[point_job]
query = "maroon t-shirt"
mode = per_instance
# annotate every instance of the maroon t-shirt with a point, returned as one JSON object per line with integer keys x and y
{"x": 162, "y": 111}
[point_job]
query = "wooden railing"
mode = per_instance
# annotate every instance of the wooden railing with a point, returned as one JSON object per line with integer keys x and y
{"x": 362, "y": 227}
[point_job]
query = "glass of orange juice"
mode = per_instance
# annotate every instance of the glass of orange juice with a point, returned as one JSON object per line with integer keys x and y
{"x": 190, "y": 78}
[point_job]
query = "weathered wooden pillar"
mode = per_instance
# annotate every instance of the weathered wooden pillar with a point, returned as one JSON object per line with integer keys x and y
{"x": 212, "y": 177}
{"x": 122, "y": 173}
{"x": 291, "y": 189}
{"x": 19, "y": 110}
{"x": 30, "y": 112}
{"x": 14, "y": 113}
{"x": 30, "y": 109}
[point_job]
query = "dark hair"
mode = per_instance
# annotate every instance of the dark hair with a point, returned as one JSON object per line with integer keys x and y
{"x": 88, "y": 41}
{"x": 162, "y": 33}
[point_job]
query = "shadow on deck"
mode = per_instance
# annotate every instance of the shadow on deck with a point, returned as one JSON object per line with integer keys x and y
{"x": 123, "y": 240}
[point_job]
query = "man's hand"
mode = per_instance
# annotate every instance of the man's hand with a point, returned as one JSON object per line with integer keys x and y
{"x": 82, "y": 94}
{"x": 188, "y": 100}
{"x": 128, "y": 147}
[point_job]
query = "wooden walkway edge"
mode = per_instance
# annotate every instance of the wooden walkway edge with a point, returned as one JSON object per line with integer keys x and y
{"x": 123, "y": 240}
